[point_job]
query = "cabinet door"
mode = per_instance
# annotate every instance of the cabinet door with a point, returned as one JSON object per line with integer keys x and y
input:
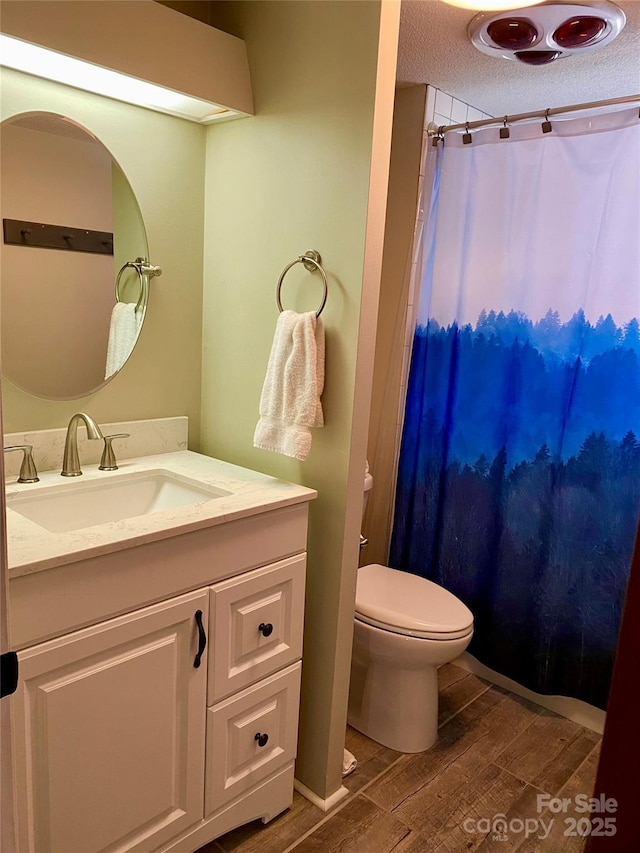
{"x": 256, "y": 625}
{"x": 110, "y": 733}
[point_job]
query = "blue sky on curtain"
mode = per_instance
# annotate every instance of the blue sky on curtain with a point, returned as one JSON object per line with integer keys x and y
{"x": 519, "y": 474}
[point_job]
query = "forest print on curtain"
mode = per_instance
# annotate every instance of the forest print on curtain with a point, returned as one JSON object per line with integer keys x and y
{"x": 519, "y": 475}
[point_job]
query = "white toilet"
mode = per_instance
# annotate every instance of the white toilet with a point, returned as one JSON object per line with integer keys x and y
{"x": 405, "y": 627}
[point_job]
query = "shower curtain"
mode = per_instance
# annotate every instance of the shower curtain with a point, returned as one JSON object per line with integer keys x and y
{"x": 519, "y": 473}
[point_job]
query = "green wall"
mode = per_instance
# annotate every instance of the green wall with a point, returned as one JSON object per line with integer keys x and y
{"x": 296, "y": 177}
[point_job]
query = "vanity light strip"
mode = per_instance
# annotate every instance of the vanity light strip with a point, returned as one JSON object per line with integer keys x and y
{"x": 38, "y": 235}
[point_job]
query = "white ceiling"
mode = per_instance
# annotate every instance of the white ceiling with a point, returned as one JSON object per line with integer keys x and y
{"x": 434, "y": 48}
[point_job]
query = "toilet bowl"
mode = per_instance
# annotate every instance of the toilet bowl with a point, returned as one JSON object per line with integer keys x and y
{"x": 405, "y": 627}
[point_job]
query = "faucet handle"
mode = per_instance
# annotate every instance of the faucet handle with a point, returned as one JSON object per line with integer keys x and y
{"x": 28, "y": 473}
{"x": 108, "y": 461}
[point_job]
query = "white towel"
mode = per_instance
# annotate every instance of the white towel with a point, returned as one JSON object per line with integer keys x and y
{"x": 349, "y": 763}
{"x": 123, "y": 331}
{"x": 290, "y": 403}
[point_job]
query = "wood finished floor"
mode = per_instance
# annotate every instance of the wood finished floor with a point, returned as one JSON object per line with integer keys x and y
{"x": 495, "y": 753}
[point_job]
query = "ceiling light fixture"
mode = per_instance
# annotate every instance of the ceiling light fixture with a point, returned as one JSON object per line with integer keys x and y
{"x": 139, "y": 52}
{"x": 540, "y": 35}
{"x": 79, "y": 74}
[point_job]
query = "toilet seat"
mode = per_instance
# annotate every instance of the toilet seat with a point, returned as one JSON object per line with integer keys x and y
{"x": 407, "y": 604}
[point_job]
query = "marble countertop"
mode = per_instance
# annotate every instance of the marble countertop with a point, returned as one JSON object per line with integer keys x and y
{"x": 32, "y": 548}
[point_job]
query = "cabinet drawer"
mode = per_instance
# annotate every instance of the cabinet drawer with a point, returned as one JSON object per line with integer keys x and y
{"x": 256, "y": 626}
{"x": 266, "y": 714}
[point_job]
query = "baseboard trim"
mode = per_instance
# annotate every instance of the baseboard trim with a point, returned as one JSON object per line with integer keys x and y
{"x": 573, "y": 709}
{"x": 322, "y": 804}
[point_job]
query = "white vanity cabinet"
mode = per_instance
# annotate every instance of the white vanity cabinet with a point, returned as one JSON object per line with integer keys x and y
{"x": 121, "y": 743}
{"x": 110, "y": 733}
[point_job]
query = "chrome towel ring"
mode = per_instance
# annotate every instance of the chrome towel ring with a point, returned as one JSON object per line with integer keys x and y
{"x": 145, "y": 271}
{"x": 311, "y": 261}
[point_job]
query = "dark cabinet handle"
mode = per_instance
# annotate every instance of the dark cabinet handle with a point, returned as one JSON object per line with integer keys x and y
{"x": 262, "y": 739}
{"x": 265, "y": 628}
{"x": 202, "y": 638}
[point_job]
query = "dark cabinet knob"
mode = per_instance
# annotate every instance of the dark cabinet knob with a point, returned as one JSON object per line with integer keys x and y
{"x": 262, "y": 739}
{"x": 265, "y": 628}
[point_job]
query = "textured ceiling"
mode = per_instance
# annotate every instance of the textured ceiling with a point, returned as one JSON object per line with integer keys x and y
{"x": 434, "y": 48}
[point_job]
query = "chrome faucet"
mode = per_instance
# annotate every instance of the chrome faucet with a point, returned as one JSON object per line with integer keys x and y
{"x": 71, "y": 461}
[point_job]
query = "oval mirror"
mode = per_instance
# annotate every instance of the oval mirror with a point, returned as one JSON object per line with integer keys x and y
{"x": 70, "y": 223}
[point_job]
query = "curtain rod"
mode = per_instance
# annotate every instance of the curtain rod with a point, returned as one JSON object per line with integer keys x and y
{"x": 435, "y": 130}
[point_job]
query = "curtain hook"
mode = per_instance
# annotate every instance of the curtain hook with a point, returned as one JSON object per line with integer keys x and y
{"x": 505, "y": 133}
{"x": 438, "y": 136}
{"x": 546, "y": 124}
{"x": 466, "y": 137}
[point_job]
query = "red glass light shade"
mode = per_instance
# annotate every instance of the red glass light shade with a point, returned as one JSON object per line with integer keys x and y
{"x": 537, "y": 57}
{"x": 512, "y": 33}
{"x": 580, "y": 31}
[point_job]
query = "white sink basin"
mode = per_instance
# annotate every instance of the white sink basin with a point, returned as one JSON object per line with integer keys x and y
{"x": 76, "y": 505}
